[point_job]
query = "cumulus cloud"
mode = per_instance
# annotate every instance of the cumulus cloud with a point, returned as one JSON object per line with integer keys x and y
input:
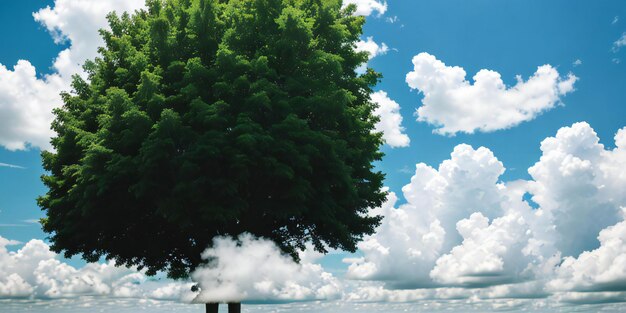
{"x": 454, "y": 104}
{"x": 486, "y": 252}
{"x": 372, "y": 48}
{"x": 26, "y": 104}
{"x": 464, "y": 233}
{"x": 367, "y": 7}
{"x": 414, "y": 235}
{"x": 390, "y": 123}
{"x": 35, "y": 272}
{"x": 255, "y": 269}
{"x": 579, "y": 185}
{"x": 174, "y": 291}
{"x": 599, "y": 270}
{"x": 78, "y": 22}
{"x": 26, "y": 100}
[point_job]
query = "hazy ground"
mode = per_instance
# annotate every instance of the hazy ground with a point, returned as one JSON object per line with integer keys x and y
{"x": 91, "y": 305}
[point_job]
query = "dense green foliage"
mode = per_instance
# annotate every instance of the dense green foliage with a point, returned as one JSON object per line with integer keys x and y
{"x": 208, "y": 117}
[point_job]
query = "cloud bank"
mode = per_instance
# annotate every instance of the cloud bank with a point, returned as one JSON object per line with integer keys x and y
{"x": 35, "y": 272}
{"x": 453, "y": 104}
{"x": 463, "y": 233}
{"x": 245, "y": 269}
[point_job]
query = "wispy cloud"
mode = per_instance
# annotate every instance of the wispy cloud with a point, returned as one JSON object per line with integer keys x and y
{"x": 615, "y": 20}
{"x": 619, "y": 43}
{"x": 11, "y": 166}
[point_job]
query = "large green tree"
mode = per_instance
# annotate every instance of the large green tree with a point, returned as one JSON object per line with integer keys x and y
{"x": 211, "y": 117}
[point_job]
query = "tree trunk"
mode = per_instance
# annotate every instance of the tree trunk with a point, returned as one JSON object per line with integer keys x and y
{"x": 212, "y": 307}
{"x": 234, "y": 307}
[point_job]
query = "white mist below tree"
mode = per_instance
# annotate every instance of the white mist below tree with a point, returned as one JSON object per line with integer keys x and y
{"x": 252, "y": 269}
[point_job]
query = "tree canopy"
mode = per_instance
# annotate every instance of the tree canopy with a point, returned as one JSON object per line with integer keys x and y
{"x": 209, "y": 117}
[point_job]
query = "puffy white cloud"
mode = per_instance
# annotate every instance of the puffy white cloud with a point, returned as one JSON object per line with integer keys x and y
{"x": 372, "y": 48}
{"x": 390, "y": 123}
{"x": 579, "y": 185}
{"x": 578, "y": 62}
{"x": 599, "y": 270}
{"x": 35, "y": 272}
{"x": 174, "y": 291}
{"x": 486, "y": 252}
{"x": 463, "y": 233}
{"x": 454, "y": 104}
{"x": 367, "y": 7}
{"x": 26, "y": 100}
{"x": 413, "y": 236}
{"x": 255, "y": 269}
{"x": 78, "y": 22}
{"x": 26, "y": 104}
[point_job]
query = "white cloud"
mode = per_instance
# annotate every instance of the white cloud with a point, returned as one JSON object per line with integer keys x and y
{"x": 255, "y": 269}
{"x": 26, "y": 104}
{"x": 576, "y": 178}
{"x": 619, "y": 43}
{"x": 413, "y": 236}
{"x": 78, "y": 22}
{"x": 11, "y": 166}
{"x": 487, "y": 253}
{"x": 578, "y": 62}
{"x": 27, "y": 101}
{"x": 35, "y": 272}
{"x": 372, "y": 48}
{"x": 392, "y": 19}
{"x": 390, "y": 123}
{"x": 464, "y": 232}
{"x": 250, "y": 269}
{"x": 367, "y": 7}
{"x": 615, "y": 20}
{"x": 599, "y": 270}
{"x": 173, "y": 292}
{"x": 456, "y": 105}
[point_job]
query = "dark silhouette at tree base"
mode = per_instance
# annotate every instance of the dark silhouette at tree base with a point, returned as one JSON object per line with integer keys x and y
{"x": 232, "y": 307}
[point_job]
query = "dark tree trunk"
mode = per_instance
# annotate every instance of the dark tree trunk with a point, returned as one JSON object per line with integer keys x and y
{"x": 212, "y": 307}
{"x": 234, "y": 307}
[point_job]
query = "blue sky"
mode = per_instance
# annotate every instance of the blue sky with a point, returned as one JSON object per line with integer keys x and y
{"x": 575, "y": 183}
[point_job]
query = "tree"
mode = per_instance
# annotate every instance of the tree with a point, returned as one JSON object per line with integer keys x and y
{"x": 210, "y": 117}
